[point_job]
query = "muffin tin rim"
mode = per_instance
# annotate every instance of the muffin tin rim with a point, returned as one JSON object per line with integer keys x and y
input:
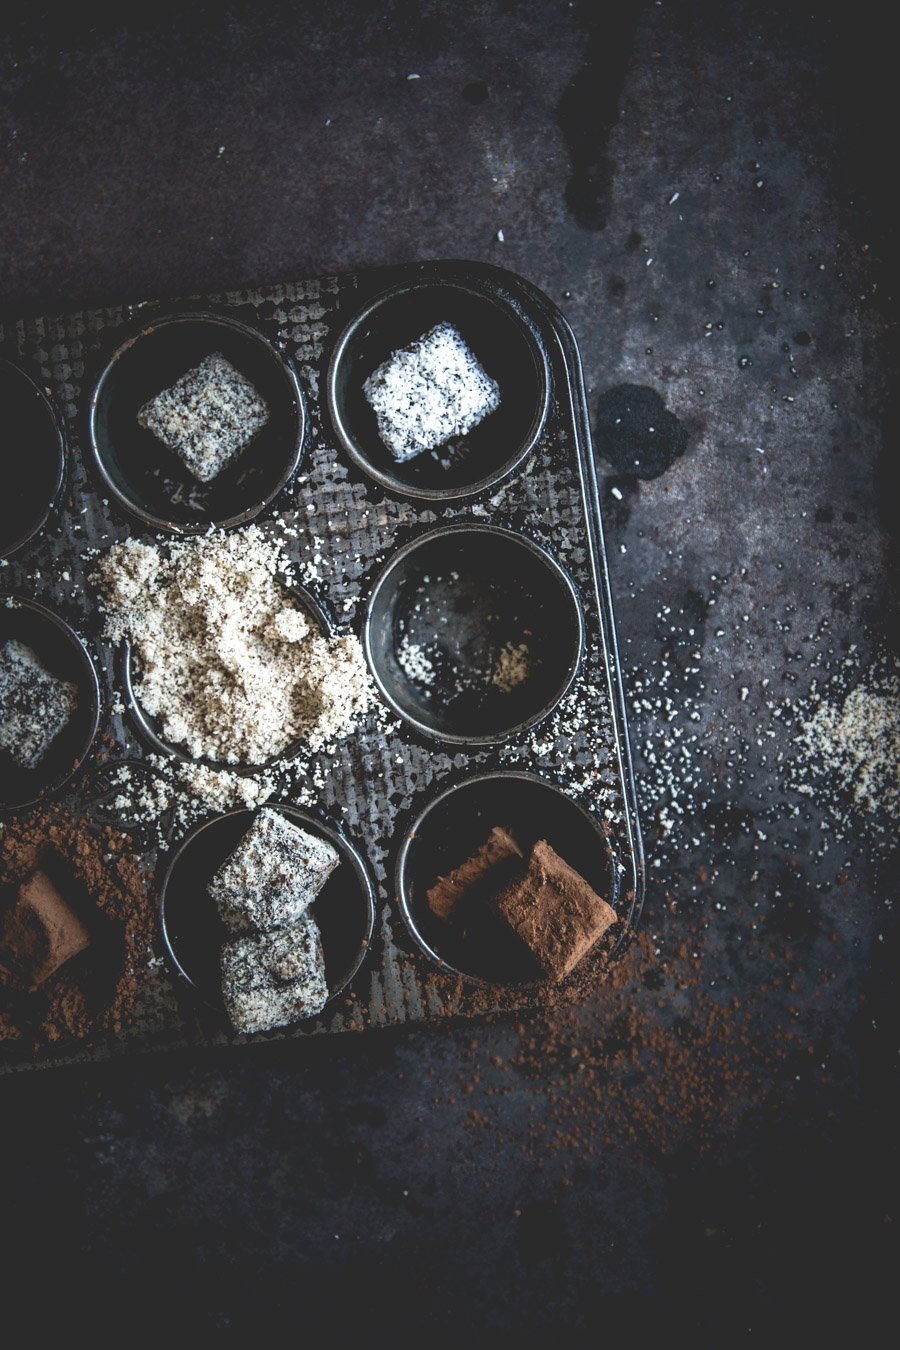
{"x": 392, "y": 482}
{"x": 307, "y": 819}
{"x": 461, "y": 782}
{"x": 127, "y": 338}
{"x": 87, "y": 676}
{"x": 141, "y": 720}
{"x": 50, "y": 406}
{"x": 539, "y": 550}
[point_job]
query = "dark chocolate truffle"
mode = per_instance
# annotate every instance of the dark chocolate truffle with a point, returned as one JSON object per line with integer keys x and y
{"x": 553, "y": 910}
{"x": 446, "y": 893}
{"x": 40, "y": 933}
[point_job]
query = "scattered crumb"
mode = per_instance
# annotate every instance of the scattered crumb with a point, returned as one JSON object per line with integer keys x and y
{"x": 856, "y": 739}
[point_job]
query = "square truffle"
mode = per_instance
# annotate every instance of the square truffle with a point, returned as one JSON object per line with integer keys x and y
{"x": 40, "y": 933}
{"x": 275, "y": 872}
{"x": 207, "y": 417}
{"x": 272, "y": 979}
{"x": 35, "y": 706}
{"x": 428, "y": 392}
{"x": 554, "y": 911}
{"x": 447, "y": 892}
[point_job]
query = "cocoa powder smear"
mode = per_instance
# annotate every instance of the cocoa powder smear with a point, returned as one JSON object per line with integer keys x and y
{"x": 104, "y": 883}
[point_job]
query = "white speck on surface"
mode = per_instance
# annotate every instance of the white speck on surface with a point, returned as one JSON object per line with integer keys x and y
{"x": 414, "y": 662}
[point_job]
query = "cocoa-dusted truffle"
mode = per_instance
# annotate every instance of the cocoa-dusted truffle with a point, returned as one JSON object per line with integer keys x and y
{"x": 272, "y": 979}
{"x": 275, "y": 872}
{"x": 40, "y": 933}
{"x": 444, "y": 896}
{"x": 553, "y": 910}
{"x": 34, "y": 704}
{"x": 207, "y": 417}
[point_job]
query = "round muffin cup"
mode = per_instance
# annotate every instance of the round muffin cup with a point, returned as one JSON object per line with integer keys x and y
{"x": 344, "y": 909}
{"x": 454, "y": 824}
{"x": 505, "y": 346}
{"x": 149, "y": 480}
{"x": 149, "y": 727}
{"x": 62, "y": 654}
{"x": 34, "y": 458}
{"x": 473, "y": 633}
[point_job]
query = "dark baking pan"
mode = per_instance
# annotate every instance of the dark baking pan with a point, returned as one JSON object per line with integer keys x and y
{"x": 474, "y": 573}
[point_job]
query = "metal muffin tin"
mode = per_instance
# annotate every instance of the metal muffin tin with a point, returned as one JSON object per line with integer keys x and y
{"x": 34, "y": 459}
{"x": 516, "y": 498}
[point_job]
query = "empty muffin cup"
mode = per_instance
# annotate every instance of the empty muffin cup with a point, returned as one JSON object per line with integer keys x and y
{"x": 49, "y": 702}
{"x": 196, "y": 394}
{"x": 34, "y": 458}
{"x": 520, "y": 809}
{"x": 344, "y": 909}
{"x": 151, "y": 728}
{"x": 473, "y": 633}
{"x": 491, "y": 337}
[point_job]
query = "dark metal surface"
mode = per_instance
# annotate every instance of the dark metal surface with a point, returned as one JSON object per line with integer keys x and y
{"x": 703, "y": 189}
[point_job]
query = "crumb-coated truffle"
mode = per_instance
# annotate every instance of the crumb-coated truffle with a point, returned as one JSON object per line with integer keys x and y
{"x": 428, "y": 392}
{"x": 272, "y": 979}
{"x": 207, "y": 417}
{"x": 275, "y": 872}
{"x": 35, "y": 706}
{"x": 40, "y": 933}
{"x": 553, "y": 910}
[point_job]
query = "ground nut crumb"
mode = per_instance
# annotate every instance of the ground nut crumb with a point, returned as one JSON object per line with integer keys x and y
{"x": 220, "y": 789}
{"x": 512, "y": 666}
{"x": 225, "y": 658}
{"x": 856, "y": 739}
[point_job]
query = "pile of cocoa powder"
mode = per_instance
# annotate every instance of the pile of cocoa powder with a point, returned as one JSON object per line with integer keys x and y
{"x": 100, "y": 876}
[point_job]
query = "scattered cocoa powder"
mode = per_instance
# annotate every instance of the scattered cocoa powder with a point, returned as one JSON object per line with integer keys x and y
{"x": 654, "y": 1058}
{"x": 106, "y": 884}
